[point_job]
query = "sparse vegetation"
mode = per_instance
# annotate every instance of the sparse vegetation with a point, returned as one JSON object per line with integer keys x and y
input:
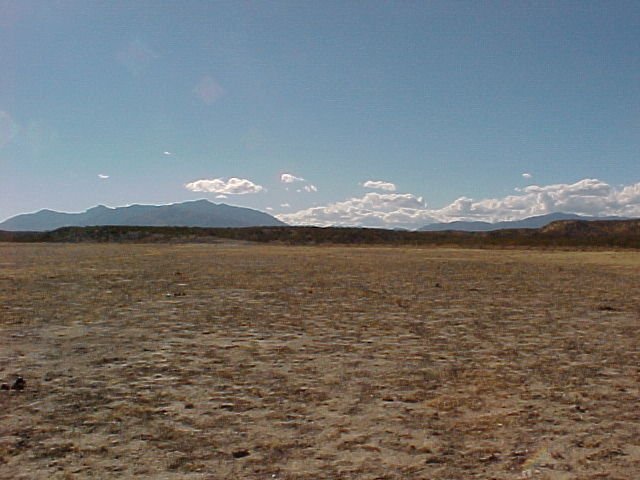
{"x": 560, "y": 234}
{"x": 235, "y": 360}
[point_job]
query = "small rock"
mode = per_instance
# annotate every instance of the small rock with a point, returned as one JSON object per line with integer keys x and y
{"x": 240, "y": 453}
{"x": 4, "y": 386}
{"x": 19, "y": 384}
{"x": 490, "y": 458}
{"x": 608, "y": 308}
{"x": 189, "y": 405}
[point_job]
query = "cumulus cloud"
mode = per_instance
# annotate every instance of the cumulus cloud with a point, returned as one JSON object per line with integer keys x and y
{"x": 310, "y": 188}
{"x": 589, "y": 197}
{"x": 288, "y": 178}
{"x": 103, "y": 176}
{"x": 232, "y": 186}
{"x": 166, "y": 153}
{"x": 380, "y": 185}
{"x": 527, "y": 175}
{"x": 372, "y": 210}
{"x": 208, "y": 90}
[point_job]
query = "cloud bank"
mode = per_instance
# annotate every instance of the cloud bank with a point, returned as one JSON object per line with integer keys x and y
{"x": 372, "y": 210}
{"x": 590, "y": 197}
{"x": 232, "y": 186}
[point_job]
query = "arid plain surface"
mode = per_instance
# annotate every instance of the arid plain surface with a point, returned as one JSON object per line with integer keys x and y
{"x": 263, "y": 362}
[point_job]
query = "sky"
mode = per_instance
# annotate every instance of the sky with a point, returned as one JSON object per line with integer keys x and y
{"x": 371, "y": 113}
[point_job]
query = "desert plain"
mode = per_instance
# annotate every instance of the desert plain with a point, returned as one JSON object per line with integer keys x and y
{"x": 242, "y": 361}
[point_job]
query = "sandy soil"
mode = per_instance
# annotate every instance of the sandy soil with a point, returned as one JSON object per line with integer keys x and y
{"x": 265, "y": 362}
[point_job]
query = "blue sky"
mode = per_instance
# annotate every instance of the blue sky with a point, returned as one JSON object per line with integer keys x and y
{"x": 367, "y": 113}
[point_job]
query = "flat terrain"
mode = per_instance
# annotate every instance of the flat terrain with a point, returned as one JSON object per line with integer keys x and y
{"x": 261, "y": 362}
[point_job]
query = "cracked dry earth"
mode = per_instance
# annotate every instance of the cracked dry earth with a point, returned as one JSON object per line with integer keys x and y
{"x": 262, "y": 362}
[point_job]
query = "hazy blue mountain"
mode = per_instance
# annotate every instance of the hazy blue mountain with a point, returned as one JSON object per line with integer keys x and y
{"x": 530, "y": 222}
{"x": 199, "y": 213}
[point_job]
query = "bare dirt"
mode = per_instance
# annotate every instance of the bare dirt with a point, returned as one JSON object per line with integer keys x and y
{"x": 265, "y": 362}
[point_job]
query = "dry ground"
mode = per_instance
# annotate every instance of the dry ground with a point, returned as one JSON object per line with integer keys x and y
{"x": 262, "y": 362}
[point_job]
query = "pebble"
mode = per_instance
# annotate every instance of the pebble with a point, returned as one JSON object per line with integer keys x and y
{"x": 240, "y": 453}
{"x": 19, "y": 384}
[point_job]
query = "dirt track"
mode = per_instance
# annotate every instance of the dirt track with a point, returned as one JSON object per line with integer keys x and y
{"x": 260, "y": 362}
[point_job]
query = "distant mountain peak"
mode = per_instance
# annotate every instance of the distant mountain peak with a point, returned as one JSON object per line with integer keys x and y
{"x": 99, "y": 208}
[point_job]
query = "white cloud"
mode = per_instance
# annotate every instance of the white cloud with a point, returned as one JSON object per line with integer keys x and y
{"x": 527, "y": 175}
{"x": 380, "y": 185}
{"x": 285, "y": 205}
{"x": 208, "y": 90}
{"x": 590, "y": 197}
{"x": 288, "y": 178}
{"x": 221, "y": 196}
{"x": 586, "y": 197}
{"x": 232, "y": 186}
{"x": 372, "y": 210}
{"x": 103, "y": 176}
{"x": 166, "y": 153}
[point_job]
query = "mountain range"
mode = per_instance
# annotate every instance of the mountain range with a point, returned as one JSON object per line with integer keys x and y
{"x": 198, "y": 213}
{"x": 203, "y": 213}
{"x": 530, "y": 222}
